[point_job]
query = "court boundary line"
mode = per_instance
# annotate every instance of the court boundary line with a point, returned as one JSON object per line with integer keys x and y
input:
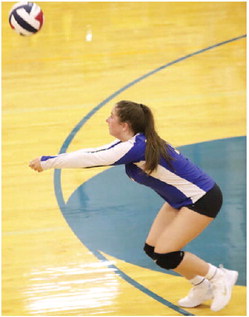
{"x": 139, "y": 286}
{"x": 70, "y": 137}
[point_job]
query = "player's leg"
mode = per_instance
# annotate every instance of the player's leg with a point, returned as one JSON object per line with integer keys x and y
{"x": 201, "y": 290}
{"x": 186, "y": 226}
{"x": 164, "y": 217}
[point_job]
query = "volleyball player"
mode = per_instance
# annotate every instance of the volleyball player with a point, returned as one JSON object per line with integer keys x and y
{"x": 192, "y": 198}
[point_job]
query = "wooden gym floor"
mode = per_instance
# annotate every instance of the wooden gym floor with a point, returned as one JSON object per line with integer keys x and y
{"x": 72, "y": 240}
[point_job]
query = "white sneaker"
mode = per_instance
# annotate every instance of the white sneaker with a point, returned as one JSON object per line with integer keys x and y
{"x": 222, "y": 287}
{"x": 197, "y": 295}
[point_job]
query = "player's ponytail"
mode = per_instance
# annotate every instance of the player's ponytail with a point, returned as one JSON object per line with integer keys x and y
{"x": 141, "y": 120}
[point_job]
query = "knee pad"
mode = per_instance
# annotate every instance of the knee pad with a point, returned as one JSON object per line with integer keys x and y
{"x": 169, "y": 260}
{"x": 149, "y": 250}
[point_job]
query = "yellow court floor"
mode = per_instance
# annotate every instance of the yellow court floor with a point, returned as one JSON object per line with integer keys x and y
{"x": 187, "y": 61}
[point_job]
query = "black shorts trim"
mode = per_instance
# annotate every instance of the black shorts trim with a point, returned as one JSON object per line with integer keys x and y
{"x": 210, "y": 204}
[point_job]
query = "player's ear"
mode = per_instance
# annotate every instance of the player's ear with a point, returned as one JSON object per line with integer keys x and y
{"x": 126, "y": 126}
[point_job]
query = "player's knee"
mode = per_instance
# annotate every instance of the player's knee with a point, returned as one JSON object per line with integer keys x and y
{"x": 169, "y": 260}
{"x": 149, "y": 250}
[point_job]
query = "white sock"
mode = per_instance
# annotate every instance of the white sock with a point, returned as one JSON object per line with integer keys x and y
{"x": 197, "y": 280}
{"x": 211, "y": 272}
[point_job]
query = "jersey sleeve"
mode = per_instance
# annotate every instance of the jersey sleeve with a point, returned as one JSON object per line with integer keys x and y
{"x": 111, "y": 154}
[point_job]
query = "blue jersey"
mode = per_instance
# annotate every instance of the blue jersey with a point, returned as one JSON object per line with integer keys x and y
{"x": 180, "y": 184}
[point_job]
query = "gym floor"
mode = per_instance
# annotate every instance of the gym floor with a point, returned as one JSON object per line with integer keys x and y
{"x": 72, "y": 240}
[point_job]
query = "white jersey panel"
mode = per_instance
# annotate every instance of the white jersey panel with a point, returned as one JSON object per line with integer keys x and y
{"x": 106, "y": 155}
{"x": 187, "y": 188}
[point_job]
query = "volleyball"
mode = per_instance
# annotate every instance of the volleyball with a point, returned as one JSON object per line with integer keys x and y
{"x": 26, "y": 18}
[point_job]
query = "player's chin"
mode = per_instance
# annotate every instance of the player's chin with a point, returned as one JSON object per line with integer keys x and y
{"x": 110, "y": 132}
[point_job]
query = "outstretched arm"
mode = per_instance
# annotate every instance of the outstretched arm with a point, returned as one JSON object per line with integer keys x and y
{"x": 36, "y": 164}
{"x": 116, "y": 153}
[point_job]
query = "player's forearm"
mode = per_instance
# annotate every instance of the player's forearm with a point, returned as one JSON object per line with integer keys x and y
{"x": 76, "y": 159}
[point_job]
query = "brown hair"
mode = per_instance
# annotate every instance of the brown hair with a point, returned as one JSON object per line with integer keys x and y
{"x": 141, "y": 119}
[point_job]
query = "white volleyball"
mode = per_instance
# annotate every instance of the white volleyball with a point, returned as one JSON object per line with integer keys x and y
{"x": 26, "y": 18}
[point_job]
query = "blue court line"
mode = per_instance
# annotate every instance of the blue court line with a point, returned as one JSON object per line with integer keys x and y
{"x": 68, "y": 140}
{"x": 139, "y": 286}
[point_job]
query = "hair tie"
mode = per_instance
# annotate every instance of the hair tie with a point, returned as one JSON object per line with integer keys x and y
{"x": 142, "y": 106}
